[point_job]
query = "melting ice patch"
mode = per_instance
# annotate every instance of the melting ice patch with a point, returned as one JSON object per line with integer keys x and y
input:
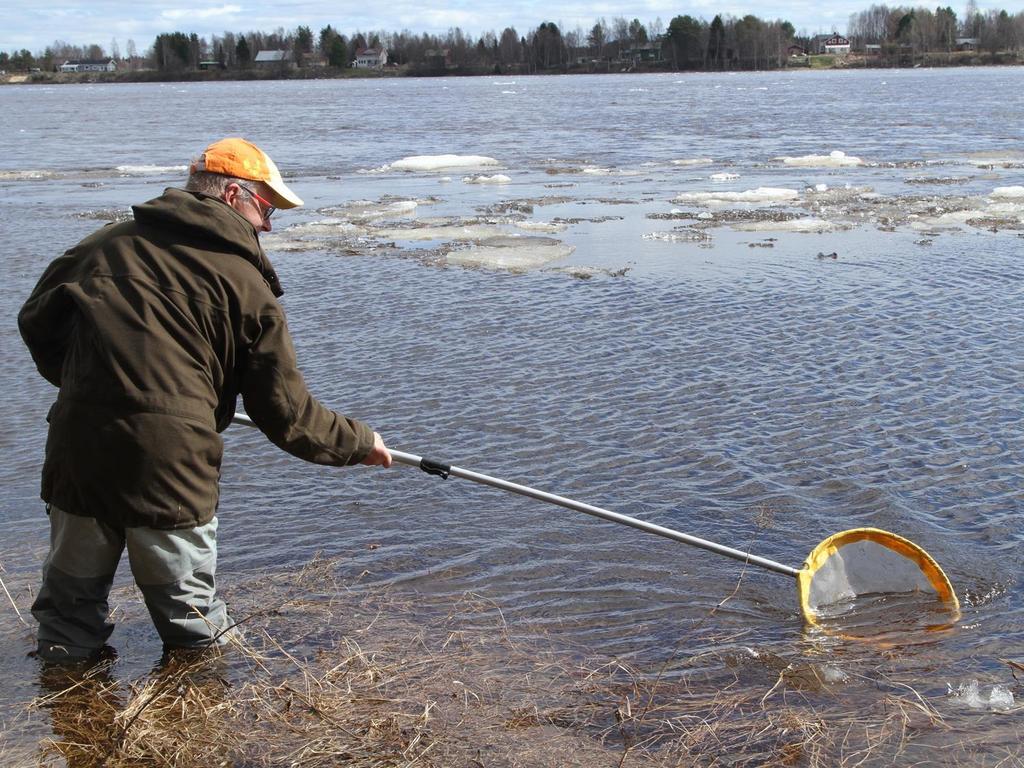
{"x": 326, "y": 228}
{"x": 834, "y": 159}
{"x": 363, "y": 210}
{"x": 498, "y": 178}
{"x": 26, "y": 175}
{"x": 1004, "y": 213}
{"x": 428, "y": 163}
{"x": 515, "y": 253}
{"x": 1008, "y": 193}
{"x": 724, "y": 176}
{"x": 688, "y": 161}
{"x": 808, "y": 224}
{"x": 599, "y": 171}
{"x": 469, "y": 232}
{"x": 548, "y": 227}
{"x": 149, "y": 170}
{"x": 767, "y": 195}
{"x": 1006, "y": 159}
{"x": 687, "y": 235}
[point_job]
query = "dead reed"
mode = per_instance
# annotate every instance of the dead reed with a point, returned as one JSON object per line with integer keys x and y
{"x": 329, "y": 676}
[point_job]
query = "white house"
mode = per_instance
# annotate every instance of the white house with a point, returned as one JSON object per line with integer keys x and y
{"x": 371, "y": 58}
{"x": 89, "y": 65}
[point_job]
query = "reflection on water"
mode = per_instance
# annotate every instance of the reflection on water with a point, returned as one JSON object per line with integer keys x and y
{"x": 889, "y": 620}
{"x": 81, "y": 705}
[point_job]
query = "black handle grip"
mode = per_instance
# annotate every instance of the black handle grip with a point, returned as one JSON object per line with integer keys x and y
{"x": 432, "y": 467}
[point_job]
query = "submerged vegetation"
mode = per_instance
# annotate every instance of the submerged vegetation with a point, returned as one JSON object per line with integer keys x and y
{"x": 334, "y": 675}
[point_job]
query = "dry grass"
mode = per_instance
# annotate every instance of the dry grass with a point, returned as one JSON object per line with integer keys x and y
{"x": 331, "y": 676}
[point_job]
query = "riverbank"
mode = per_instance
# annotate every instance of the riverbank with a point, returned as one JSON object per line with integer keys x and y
{"x": 328, "y": 671}
{"x": 899, "y": 59}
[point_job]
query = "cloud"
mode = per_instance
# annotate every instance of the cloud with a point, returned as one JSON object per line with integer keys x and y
{"x": 205, "y": 13}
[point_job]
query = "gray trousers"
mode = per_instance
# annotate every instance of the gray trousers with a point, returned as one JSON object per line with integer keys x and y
{"x": 173, "y": 569}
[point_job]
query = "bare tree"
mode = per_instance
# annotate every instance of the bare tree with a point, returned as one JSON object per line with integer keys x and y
{"x": 620, "y": 34}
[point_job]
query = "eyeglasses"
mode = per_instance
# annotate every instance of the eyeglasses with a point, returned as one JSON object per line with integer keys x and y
{"x": 268, "y": 209}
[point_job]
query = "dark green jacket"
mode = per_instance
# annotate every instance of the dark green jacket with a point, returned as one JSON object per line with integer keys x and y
{"x": 151, "y": 329}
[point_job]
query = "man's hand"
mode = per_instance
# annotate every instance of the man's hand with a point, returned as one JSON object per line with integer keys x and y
{"x": 379, "y": 455}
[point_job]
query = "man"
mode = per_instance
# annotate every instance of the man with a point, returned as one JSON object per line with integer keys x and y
{"x": 151, "y": 329}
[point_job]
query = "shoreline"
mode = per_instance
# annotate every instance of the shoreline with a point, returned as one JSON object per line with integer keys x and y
{"x": 936, "y": 60}
{"x": 327, "y": 670}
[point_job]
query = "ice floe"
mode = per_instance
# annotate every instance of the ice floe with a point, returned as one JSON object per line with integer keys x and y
{"x": 724, "y": 176}
{"x": 1005, "y": 159}
{"x": 498, "y": 178}
{"x": 451, "y": 232}
{"x": 834, "y": 159}
{"x": 363, "y": 210}
{"x": 150, "y": 170}
{"x": 1009, "y": 193}
{"x": 594, "y": 170}
{"x": 679, "y": 236}
{"x": 688, "y": 161}
{"x": 26, "y": 175}
{"x": 549, "y": 227}
{"x": 1005, "y": 214}
{"x": 428, "y": 163}
{"x": 768, "y": 195}
{"x": 107, "y": 214}
{"x": 326, "y": 228}
{"x": 515, "y": 253}
{"x": 936, "y": 180}
{"x": 807, "y": 224}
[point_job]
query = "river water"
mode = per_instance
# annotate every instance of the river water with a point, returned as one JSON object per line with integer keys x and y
{"x": 760, "y": 308}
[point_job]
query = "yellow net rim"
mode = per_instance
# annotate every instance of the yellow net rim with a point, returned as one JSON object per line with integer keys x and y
{"x": 908, "y": 549}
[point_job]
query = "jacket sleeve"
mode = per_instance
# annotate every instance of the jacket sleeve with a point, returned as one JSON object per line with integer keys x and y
{"x": 47, "y": 319}
{"x": 277, "y": 400}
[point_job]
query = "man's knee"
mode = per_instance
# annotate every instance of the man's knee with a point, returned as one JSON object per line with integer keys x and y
{"x": 71, "y": 607}
{"x": 176, "y": 572}
{"x": 188, "y": 613}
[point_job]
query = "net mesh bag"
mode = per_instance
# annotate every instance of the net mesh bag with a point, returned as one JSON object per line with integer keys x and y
{"x": 868, "y": 561}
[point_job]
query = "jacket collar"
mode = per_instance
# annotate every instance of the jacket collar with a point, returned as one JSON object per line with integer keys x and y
{"x": 213, "y": 220}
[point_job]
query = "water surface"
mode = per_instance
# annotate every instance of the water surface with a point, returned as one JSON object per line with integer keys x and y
{"x": 705, "y": 364}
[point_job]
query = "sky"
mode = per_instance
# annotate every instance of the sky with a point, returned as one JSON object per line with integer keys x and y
{"x": 36, "y": 25}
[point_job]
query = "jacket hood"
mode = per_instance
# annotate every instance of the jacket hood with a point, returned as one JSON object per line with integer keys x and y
{"x": 212, "y": 220}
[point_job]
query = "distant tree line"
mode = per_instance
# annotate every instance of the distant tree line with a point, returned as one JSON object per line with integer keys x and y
{"x": 921, "y": 29}
{"x": 688, "y": 43}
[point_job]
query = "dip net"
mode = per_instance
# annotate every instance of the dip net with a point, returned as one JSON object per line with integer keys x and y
{"x": 866, "y": 562}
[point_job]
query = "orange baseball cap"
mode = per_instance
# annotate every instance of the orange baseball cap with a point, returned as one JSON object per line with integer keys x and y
{"x": 244, "y": 160}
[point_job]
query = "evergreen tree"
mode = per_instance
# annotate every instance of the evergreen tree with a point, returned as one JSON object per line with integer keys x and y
{"x": 684, "y": 36}
{"x": 303, "y": 45}
{"x": 716, "y": 43}
{"x": 337, "y": 56}
{"x": 242, "y": 53}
